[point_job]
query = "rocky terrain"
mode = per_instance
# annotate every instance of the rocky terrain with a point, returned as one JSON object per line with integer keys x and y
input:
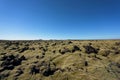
{"x": 60, "y": 60}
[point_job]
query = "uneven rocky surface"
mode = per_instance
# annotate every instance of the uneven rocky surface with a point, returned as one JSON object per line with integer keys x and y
{"x": 60, "y": 60}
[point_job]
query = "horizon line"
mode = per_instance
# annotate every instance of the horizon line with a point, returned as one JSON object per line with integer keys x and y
{"x": 54, "y": 39}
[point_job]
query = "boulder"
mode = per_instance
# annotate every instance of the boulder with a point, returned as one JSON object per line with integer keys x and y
{"x": 86, "y": 63}
{"x": 23, "y": 57}
{"x": 34, "y": 69}
{"x": 10, "y": 61}
{"x": 8, "y": 67}
{"x": 89, "y": 49}
{"x": 48, "y": 69}
{"x": 75, "y": 48}
{"x": 23, "y": 49}
{"x": 64, "y": 50}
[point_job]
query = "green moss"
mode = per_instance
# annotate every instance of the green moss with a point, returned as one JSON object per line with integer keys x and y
{"x": 67, "y": 66}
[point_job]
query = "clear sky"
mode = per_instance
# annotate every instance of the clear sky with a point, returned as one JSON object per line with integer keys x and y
{"x": 59, "y": 19}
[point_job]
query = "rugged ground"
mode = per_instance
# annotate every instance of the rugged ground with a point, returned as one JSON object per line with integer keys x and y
{"x": 60, "y": 60}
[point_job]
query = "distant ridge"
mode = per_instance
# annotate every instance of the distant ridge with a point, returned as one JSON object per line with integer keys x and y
{"x": 57, "y": 39}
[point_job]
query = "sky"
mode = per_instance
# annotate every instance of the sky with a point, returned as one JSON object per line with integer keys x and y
{"x": 59, "y": 19}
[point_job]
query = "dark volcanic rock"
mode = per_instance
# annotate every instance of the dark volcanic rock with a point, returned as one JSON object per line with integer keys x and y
{"x": 86, "y": 63}
{"x": 3, "y": 53}
{"x": 23, "y": 49}
{"x": 71, "y": 49}
{"x": 10, "y": 61}
{"x": 44, "y": 68}
{"x": 64, "y": 50}
{"x": 117, "y": 52}
{"x": 23, "y": 57}
{"x": 48, "y": 70}
{"x": 8, "y": 67}
{"x": 89, "y": 49}
{"x": 75, "y": 48}
{"x": 34, "y": 69}
{"x": 2, "y": 58}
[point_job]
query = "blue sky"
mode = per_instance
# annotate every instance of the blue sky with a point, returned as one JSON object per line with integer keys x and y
{"x": 59, "y": 19}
